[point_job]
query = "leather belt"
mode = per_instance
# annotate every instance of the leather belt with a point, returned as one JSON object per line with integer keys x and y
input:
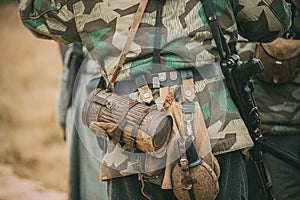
{"x": 166, "y": 78}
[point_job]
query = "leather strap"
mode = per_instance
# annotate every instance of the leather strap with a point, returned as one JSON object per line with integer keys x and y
{"x": 277, "y": 69}
{"x": 131, "y": 35}
{"x": 157, "y": 38}
{"x": 122, "y": 121}
{"x": 188, "y": 180}
{"x": 136, "y": 126}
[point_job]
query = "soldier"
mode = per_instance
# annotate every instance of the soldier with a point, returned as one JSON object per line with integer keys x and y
{"x": 82, "y": 185}
{"x": 172, "y": 35}
{"x": 277, "y": 95}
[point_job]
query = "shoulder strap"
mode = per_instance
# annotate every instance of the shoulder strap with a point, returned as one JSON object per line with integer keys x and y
{"x": 216, "y": 30}
{"x": 131, "y": 35}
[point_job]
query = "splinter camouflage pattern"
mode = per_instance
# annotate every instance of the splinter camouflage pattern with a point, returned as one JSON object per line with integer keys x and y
{"x": 279, "y": 107}
{"x": 102, "y": 26}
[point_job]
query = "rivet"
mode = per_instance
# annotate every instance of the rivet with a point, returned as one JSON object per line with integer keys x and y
{"x": 188, "y": 93}
{"x": 156, "y": 82}
{"x": 146, "y": 95}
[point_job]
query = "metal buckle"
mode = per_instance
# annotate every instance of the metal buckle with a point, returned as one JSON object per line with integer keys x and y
{"x": 184, "y": 163}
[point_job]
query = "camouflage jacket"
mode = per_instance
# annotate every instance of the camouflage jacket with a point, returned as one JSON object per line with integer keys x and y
{"x": 279, "y": 106}
{"x": 102, "y": 26}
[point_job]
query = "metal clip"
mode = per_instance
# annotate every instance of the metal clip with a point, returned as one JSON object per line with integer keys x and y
{"x": 188, "y": 108}
{"x": 189, "y": 130}
{"x": 184, "y": 163}
{"x": 109, "y": 105}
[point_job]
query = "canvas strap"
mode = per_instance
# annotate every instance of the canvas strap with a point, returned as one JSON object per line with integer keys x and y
{"x": 277, "y": 68}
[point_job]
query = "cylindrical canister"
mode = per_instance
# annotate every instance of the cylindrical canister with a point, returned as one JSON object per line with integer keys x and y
{"x": 139, "y": 125}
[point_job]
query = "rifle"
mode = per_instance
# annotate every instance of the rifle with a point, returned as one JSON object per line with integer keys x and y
{"x": 238, "y": 80}
{"x": 240, "y": 85}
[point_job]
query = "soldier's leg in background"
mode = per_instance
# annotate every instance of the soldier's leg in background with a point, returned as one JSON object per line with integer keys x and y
{"x": 233, "y": 179}
{"x": 285, "y": 177}
{"x": 84, "y": 165}
{"x": 84, "y": 183}
{"x": 73, "y": 158}
{"x": 254, "y": 182}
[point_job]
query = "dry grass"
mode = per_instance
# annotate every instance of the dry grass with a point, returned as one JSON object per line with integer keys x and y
{"x": 30, "y": 138}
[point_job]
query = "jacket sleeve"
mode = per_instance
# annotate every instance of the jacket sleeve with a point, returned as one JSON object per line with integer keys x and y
{"x": 262, "y": 21}
{"x": 50, "y": 19}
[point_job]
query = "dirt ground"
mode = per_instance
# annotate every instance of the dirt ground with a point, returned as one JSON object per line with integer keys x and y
{"x": 33, "y": 157}
{"x": 16, "y": 188}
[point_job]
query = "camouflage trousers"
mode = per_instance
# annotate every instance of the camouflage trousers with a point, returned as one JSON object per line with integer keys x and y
{"x": 233, "y": 182}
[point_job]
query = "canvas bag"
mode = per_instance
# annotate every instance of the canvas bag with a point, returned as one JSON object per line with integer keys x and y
{"x": 280, "y": 60}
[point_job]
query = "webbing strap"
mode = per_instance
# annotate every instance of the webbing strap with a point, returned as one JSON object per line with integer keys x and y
{"x": 157, "y": 37}
{"x": 188, "y": 180}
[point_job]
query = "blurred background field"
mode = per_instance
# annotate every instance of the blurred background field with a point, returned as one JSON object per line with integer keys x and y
{"x": 31, "y": 141}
